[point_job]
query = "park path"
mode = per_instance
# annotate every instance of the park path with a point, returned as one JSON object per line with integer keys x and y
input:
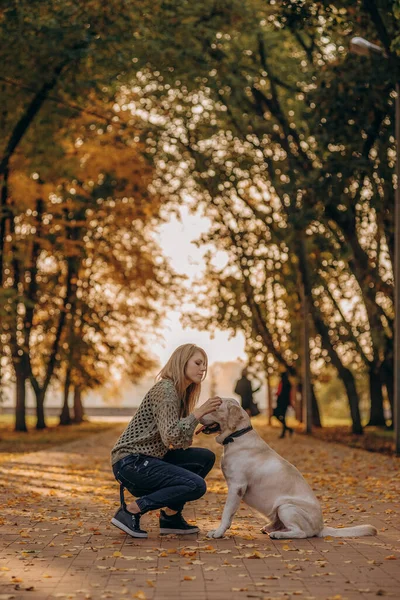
{"x": 57, "y": 541}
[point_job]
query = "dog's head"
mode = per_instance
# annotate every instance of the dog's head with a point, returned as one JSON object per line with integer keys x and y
{"x": 228, "y": 417}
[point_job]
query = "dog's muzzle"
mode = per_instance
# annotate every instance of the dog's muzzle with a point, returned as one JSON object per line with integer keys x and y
{"x": 208, "y": 429}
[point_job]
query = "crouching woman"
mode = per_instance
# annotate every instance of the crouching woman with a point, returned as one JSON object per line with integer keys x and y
{"x": 153, "y": 459}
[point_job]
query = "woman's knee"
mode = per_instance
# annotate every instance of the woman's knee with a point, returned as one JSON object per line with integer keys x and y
{"x": 198, "y": 486}
{"x": 201, "y": 488}
{"x": 209, "y": 457}
{"x": 207, "y": 460}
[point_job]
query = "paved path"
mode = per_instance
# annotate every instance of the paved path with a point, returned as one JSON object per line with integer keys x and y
{"x": 57, "y": 541}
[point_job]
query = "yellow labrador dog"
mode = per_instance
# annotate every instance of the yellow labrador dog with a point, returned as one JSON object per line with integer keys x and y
{"x": 265, "y": 481}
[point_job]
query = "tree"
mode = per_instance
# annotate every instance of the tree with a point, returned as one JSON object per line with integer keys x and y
{"x": 84, "y": 264}
{"x": 262, "y": 72}
{"x": 62, "y": 55}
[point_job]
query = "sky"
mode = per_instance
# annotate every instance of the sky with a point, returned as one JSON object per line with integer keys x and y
{"x": 176, "y": 239}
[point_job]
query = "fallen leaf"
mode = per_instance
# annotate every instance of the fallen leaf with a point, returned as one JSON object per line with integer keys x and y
{"x": 254, "y": 555}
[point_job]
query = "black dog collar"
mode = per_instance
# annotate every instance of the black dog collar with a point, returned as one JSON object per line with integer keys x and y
{"x": 235, "y": 434}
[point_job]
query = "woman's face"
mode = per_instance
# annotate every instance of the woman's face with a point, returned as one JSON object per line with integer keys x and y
{"x": 195, "y": 367}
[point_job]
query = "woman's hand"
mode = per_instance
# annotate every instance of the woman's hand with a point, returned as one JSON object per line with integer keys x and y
{"x": 208, "y": 407}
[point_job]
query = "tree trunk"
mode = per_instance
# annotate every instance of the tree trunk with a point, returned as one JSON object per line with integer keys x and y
{"x": 20, "y": 408}
{"x": 316, "y": 419}
{"x": 40, "y": 420}
{"x": 299, "y": 402}
{"x": 26, "y": 119}
{"x": 4, "y": 217}
{"x": 347, "y": 377}
{"x": 78, "y": 406}
{"x": 269, "y": 395}
{"x": 344, "y": 373}
{"x": 387, "y": 378}
{"x": 376, "y": 417}
{"x": 65, "y": 417}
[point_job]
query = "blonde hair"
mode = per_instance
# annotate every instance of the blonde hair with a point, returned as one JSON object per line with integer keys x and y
{"x": 174, "y": 370}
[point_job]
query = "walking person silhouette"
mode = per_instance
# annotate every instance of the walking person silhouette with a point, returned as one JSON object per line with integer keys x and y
{"x": 283, "y": 402}
{"x": 245, "y": 391}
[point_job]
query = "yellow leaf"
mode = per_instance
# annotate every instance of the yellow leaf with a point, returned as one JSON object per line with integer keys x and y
{"x": 208, "y": 548}
{"x": 255, "y": 554}
{"x": 117, "y": 553}
{"x": 189, "y": 578}
{"x": 140, "y": 595}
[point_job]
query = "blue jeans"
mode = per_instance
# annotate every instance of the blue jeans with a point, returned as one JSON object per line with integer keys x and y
{"x": 169, "y": 482}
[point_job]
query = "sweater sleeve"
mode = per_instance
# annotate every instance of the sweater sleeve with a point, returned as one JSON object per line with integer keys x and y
{"x": 174, "y": 432}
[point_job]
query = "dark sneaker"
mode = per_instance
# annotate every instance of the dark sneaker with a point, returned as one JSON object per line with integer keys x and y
{"x": 175, "y": 524}
{"x": 128, "y": 522}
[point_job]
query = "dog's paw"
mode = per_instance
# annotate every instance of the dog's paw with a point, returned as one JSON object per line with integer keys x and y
{"x": 215, "y": 534}
{"x": 278, "y": 535}
{"x": 265, "y": 530}
{"x": 272, "y": 534}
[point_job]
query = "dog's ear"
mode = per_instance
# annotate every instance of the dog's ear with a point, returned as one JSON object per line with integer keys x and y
{"x": 234, "y": 416}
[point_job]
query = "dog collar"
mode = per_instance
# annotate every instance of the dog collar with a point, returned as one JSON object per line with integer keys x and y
{"x": 235, "y": 434}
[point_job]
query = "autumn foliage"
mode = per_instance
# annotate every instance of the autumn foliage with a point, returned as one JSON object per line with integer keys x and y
{"x": 265, "y": 122}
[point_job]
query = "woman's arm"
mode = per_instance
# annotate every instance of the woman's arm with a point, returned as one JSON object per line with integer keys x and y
{"x": 174, "y": 431}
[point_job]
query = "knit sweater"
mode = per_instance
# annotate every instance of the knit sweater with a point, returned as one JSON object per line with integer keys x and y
{"x": 156, "y": 426}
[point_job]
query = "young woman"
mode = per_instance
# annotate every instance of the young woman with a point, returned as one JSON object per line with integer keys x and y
{"x": 152, "y": 458}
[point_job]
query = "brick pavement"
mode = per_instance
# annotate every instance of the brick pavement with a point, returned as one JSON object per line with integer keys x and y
{"x": 57, "y": 541}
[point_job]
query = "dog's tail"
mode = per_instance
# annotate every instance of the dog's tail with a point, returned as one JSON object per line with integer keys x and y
{"x": 356, "y": 531}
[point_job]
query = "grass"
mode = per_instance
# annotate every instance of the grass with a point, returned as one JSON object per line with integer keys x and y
{"x": 338, "y": 430}
{"x": 12, "y": 442}
{"x": 374, "y": 439}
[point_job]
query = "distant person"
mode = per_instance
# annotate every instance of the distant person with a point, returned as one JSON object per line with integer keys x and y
{"x": 245, "y": 391}
{"x": 152, "y": 458}
{"x": 283, "y": 402}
